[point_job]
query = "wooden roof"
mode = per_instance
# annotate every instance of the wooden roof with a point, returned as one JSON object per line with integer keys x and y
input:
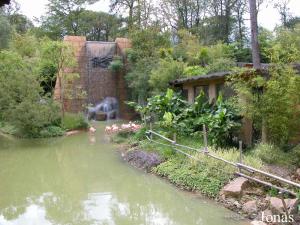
{"x": 211, "y": 76}
{"x": 220, "y": 75}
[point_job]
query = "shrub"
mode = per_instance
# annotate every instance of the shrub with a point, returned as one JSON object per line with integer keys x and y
{"x": 31, "y": 117}
{"x": 232, "y": 155}
{"x": 116, "y": 65}
{"x": 140, "y": 134}
{"x": 220, "y": 65}
{"x": 21, "y": 102}
{"x": 73, "y": 121}
{"x": 220, "y": 51}
{"x": 194, "y": 71}
{"x": 188, "y": 48}
{"x": 271, "y": 154}
{"x": 295, "y": 155}
{"x": 203, "y": 56}
{"x": 138, "y": 78}
{"x": 51, "y": 131}
{"x": 164, "y": 151}
{"x": 5, "y": 32}
{"x": 177, "y": 116}
{"x": 8, "y": 129}
{"x": 272, "y": 103}
{"x": 167, "y": 70}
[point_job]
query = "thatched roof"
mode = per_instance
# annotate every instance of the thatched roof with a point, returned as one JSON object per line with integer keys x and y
{"x": 210, "y": 76}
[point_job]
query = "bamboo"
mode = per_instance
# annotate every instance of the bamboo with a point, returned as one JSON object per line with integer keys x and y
{"x": 241, "y": 153}
{"x": 205, "y": 139}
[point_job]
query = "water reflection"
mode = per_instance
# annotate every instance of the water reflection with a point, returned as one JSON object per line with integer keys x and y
{"x": 79, "y": 181}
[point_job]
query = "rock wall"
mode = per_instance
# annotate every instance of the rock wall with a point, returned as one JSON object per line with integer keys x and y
{"x": 76, "y": 103}
{"x": 101, "y": 82}
{"x": 96, "y": 83}
{"x": 125, "y": 111}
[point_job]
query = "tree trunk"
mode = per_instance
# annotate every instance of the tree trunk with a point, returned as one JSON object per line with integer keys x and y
{"x": 130, "y": 18}
{"x": 139, "y": 14}
{"x": 256, "y": 54}
{"x": 62, "y": 99}
{"x": 254, "y": 35}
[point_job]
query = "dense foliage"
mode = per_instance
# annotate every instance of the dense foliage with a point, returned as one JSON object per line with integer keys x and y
{"x": 74, "y": 121}
{"x": 271, "y": 99}
{"x": 28, "y": 72}
{"x": 177, "y": 116}
{"x": 154, "y": 61}
{"x": 20, "y": 96}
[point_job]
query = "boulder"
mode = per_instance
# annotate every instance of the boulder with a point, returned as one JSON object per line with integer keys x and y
{"x": 250, "y": 208}
{"x": 235, "y": 188}
{"x": 142, "y": 160}
{"x": 258, "y": 223}
{"x": 100, "y": 116}
{"x": 277, "y": 207}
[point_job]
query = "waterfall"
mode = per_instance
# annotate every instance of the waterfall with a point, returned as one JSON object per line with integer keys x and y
{"x": 108, "y": 107}
{"x": 101, "y": 83}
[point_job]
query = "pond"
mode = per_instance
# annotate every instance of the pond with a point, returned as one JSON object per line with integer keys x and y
{"x": 82, "y": 180}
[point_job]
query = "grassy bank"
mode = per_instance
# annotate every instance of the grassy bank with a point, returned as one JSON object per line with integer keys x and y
{"x": 205, "y": 174}
{"x": 69, "y": 122}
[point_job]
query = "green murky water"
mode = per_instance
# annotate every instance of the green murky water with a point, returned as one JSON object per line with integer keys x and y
{"x": 81, "y": 180}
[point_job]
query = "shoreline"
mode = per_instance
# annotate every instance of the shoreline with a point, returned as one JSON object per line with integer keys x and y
{"x": 122, "y": 149}
{"x": 251, "y": 206}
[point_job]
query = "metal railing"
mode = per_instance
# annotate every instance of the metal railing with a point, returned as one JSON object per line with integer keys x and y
{"x": 173, "y": 144}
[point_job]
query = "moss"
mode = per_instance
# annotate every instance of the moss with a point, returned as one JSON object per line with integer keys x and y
{"x": 205, "y": 174}
{"x": 192, "y": 177}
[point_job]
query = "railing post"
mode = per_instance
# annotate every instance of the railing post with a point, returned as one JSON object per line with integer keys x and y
{"x": 281, "y": 193}
{"x": 205, "y": 139}
{"x": 145, "y": 120}
{"x": 151, "y": 130}
{"x": 174, "y": 137}
{"x": 241, "y": 154}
